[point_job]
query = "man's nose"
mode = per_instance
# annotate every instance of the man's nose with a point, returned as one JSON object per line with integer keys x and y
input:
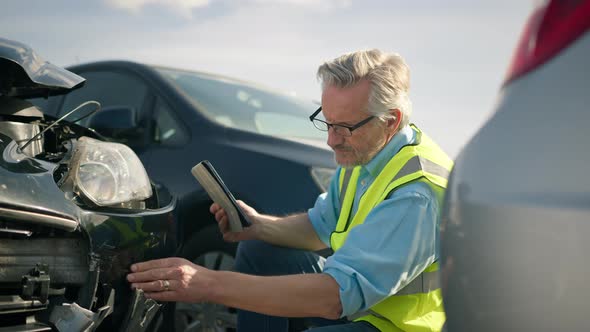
{"x": 333, "y": 138}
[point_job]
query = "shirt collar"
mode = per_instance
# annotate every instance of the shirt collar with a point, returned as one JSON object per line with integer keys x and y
{"x": 403, "y": 137}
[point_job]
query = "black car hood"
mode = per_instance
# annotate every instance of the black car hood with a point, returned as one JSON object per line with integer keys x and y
{"x": 296, "y": 149}
{"x": 28, "y": 191}
{"x": 313, "y": 142}
{"x": 25, "y": 74}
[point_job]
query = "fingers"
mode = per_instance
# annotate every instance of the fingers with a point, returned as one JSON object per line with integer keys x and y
{"x": 159, "y": 286}
{"x": 218, "y": 212}
{"x": 158, "y": 264}
{"x": 214, "y": 208}
{"x": 158, "y": 291}
{"x": 221, "y": 216}
{"x": 223, "y": 222}
{"x": 157, "y": 274}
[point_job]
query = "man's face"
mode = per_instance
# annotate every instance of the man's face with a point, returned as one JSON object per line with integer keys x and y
{"x": 348, "y": 106}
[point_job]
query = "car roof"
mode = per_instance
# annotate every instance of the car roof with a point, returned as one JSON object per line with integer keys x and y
{"x": 153, "y": 69}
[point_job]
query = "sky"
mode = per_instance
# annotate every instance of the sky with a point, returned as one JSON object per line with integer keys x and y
{"x": 457, "y": 50}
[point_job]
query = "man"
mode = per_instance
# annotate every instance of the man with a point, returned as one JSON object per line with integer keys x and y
{"x": 380, "y": 216}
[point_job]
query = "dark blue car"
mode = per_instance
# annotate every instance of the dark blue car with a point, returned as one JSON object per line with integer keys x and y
{"x": 260, "y": 141}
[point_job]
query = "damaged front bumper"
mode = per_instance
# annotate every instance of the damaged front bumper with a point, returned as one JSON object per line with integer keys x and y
{"x": 57, "y": 278}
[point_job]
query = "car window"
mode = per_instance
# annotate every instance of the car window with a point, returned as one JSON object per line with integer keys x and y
{"x": 245, "y": 106}
{"x": 109, "y": 89}
{"x": 167, "y": 129}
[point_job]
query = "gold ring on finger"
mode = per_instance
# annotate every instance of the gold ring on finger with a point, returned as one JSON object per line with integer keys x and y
{"x": 166, "y": 284}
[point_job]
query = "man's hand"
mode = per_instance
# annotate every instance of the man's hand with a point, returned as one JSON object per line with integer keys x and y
{"x": 294, "y": 231}
{"x": 248, "y": 233}
{"x": 171, "y": 279}
{"x": 176, "y": 279}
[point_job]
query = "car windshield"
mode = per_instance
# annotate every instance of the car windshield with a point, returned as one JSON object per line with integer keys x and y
{"x": 243, "y": 106}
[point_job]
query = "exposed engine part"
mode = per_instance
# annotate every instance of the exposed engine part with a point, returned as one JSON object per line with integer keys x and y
{"x": 22, "y": 133}
{"x": 25, "y": 129}
{"x": 56, "y": 122}
{"x": 66, "y": 258}
{"x": 36, "y": 284}
{"x": 15, "y": 304}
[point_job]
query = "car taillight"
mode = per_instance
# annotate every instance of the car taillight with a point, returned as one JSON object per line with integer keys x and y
{"x": 550, "y": 29}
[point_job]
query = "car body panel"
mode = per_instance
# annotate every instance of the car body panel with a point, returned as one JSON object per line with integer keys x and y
{"x": 515, "y": 224}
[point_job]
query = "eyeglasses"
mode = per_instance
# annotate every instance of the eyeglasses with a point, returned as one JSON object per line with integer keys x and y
{"x": 339, "y": 129}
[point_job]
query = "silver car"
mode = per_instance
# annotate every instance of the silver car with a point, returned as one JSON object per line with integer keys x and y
{"x": 516, "y": 224}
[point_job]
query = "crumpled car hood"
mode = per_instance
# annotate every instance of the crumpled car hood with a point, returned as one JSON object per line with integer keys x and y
{"x": 26, "y": 74}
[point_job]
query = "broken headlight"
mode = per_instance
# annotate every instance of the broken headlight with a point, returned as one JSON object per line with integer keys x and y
{"x": 108, "y": 173}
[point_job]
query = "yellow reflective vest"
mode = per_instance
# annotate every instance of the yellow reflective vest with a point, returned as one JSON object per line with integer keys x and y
{"x": 418, "y": 306}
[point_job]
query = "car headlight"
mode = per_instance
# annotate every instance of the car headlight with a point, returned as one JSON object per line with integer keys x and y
{"x": 322, "y": 176}
{"x": 108, "y": 173}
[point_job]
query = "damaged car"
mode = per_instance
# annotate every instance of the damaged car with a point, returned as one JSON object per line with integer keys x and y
{"x": 75, "y": 211}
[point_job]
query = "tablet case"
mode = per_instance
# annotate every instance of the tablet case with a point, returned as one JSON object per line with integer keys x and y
{"x": 210, "y": 180}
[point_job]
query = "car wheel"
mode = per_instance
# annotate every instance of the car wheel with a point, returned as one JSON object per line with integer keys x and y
{"x": 207, "y": 249}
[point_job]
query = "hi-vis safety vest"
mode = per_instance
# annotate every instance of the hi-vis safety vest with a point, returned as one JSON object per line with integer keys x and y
{"x": 418, "y": 306}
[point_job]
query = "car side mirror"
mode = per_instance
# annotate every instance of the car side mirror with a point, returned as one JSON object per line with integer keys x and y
{"x": 113, "y": 118}
{"x": 118, "y": 123}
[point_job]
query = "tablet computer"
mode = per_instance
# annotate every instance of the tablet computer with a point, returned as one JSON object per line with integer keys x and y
{"x": 205, "y": 173}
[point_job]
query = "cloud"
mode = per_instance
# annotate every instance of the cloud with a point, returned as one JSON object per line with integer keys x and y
{"x": 310, "y": 4}
{"x": 181, "y": 7}
{"x": 185, "y": 8}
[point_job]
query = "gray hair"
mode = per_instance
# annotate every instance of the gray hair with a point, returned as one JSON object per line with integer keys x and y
{"x": 388, "y": 74}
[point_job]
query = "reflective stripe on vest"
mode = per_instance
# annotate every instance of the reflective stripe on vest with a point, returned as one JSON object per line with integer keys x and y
{"x": 426, "y": 282}
{"x": 415, "y": 164}
{"x": 345, "y": 181}
{"x": 418, "y": 163}
{"x": 418, "y": 305}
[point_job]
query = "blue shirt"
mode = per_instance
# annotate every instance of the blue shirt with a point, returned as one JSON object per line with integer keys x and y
{"x": 395, "y": 243}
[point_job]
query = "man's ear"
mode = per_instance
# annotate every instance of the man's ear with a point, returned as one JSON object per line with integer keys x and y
{"x": 395, "y": 121}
